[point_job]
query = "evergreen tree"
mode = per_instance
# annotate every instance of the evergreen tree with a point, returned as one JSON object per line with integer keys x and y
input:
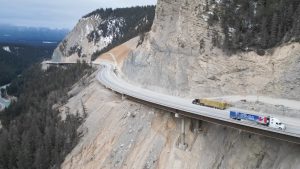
{"x": 4, "y": 150}
{"x": 296, "y": 23}
{"x": 264, "y": 33}
{"x": 24, "y": 156}
{"x": 33, "y": 134}
{"x": 257, "y": 23}
{"x": 274, "y": 30}
{"x": 41, "y": 158}
{"x": 289, "y": 17}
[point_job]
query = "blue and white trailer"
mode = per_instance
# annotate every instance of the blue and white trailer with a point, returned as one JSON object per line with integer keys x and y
{"x": 263, "y": 120}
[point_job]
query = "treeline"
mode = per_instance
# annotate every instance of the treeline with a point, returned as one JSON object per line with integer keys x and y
{"x": 19, "y": 58}
{"x": 33, "y": 134}
{"x": 256, "y": 24}
{"x": 136, "y": 21}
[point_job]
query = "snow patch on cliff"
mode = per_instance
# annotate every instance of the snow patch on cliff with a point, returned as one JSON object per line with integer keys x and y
{"x": 6, "y": 48}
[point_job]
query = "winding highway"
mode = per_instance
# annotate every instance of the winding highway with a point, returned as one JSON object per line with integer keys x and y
{"x": 108, "y": 76}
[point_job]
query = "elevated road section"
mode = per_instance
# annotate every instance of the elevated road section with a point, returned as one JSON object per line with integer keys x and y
{"x": 108, "y": 76}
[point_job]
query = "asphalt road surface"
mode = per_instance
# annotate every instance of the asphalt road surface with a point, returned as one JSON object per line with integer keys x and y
{"x": 107, "y": 76}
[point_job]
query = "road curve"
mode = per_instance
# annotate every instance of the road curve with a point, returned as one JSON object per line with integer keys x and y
{"x": 108, "y": 77}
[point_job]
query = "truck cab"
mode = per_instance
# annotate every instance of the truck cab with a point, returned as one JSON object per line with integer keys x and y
{"x": 276, "y": 123}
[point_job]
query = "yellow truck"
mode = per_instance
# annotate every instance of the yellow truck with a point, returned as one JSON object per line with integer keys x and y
{"x": 212, "y": 103}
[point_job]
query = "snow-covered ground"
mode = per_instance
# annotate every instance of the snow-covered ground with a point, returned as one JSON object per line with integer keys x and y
{"x": 6, "y": 48}
{"x": 4, "y": 102}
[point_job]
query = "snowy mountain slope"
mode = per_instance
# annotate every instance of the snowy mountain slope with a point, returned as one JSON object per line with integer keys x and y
{"x": 103, "y": 28}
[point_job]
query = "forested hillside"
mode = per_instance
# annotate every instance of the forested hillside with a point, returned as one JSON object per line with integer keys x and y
{"x": 33, "y": 134}
{"x": 135, "y": 21}
{"x": 255, "y": 24}
{"x": 102, "y": 30}
{"x": 16, "y": 58}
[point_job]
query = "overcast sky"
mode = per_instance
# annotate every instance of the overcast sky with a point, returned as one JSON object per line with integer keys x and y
{"x": 56, "y": 13}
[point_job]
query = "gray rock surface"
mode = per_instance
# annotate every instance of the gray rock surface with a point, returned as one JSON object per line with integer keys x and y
{"x": 83, "y": 41}
{"x": 177, "y": 57}
{"x": 174, "y": 59}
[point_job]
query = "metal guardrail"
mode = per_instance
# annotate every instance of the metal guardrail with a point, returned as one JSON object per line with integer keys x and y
{"x": 279, "y": 136}
{"x": 251, "y": 128}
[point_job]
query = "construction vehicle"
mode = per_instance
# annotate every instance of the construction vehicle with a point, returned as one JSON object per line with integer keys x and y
{"x": 263, "y": 120}
{"x": 211, "y": 103}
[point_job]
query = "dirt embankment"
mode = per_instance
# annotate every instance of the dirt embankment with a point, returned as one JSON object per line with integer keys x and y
{"x": 118, "y": 54}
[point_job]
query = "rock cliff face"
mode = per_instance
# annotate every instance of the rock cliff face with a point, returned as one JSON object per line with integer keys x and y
{"x": 123, "y": 134}
{"x": 77, "y": 45}
{"x": 179, "y": 56}
{"x": 102, "y": 28}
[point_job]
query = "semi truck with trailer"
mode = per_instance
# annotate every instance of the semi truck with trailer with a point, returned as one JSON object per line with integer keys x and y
{"x": 211, "y": 103}
{"x": 263, "y": 120}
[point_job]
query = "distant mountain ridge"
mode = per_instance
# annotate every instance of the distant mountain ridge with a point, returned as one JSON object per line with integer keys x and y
{"x": 31, "y": 35}
{"x": 103, "y": 29}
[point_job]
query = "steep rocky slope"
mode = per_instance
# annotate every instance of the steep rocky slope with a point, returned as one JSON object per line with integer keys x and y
{"x": 178, "y": 57}
{"x": 101, "y": 29}
{"x": 123, "y": 134}
{"x": 76, "y": 45}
